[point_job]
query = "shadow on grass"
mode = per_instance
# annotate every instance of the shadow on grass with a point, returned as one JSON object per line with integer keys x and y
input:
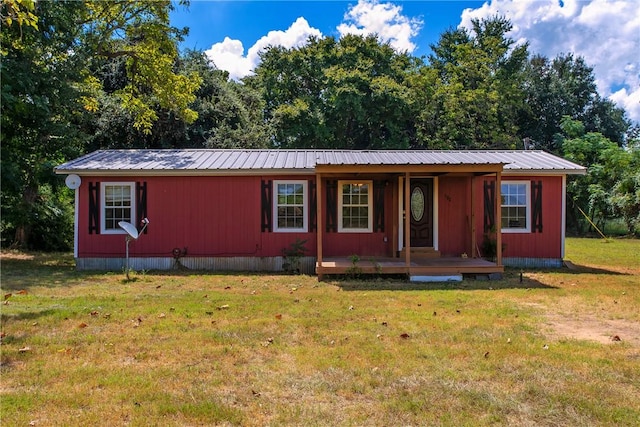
{"x": 23, "y": 270}
{"x": 26, "y": 315}
{"x": 511, "y": 280}
{"x": 582, "y": 269}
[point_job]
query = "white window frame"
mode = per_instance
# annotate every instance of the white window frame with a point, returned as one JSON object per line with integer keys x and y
{"x": 369, "y": 229}
{"x": 527, "y": 205}
{"x": 103, "y": 206}
{"x": 305, "y": 207}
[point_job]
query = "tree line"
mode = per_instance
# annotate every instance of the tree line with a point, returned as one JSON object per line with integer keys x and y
{"x": 84, "y": 75}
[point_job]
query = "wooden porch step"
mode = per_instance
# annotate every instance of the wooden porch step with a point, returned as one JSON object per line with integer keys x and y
{"x": 421, "y": 253}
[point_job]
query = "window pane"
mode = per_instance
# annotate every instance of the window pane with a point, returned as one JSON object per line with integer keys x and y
{"x": 514, "y": 205}
{"x": 290, "y": 205}
{"x": 117, "y": 205}
{"x": 355, "y": 206}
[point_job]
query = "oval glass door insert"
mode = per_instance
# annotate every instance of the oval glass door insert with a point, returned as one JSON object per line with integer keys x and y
{"x": 417, "y": 204}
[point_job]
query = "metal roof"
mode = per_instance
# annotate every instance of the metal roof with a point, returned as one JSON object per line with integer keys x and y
{"x": 212, "y": 161}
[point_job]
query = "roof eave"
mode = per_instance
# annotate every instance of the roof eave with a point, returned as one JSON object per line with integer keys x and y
{"x": 183, "y": 172}
{"x": 541, "y": 172}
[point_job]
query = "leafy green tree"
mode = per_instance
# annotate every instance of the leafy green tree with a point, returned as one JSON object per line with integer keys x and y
{"x": 611, "y": 187}
{"x": 41, "y": 80}
{"x": 472, "y": 89}
{"x": 139, "y": 32}
{"x": 20, "y": 12}
{"x": 562, "y": 87}
{"x": 347, "y": 93}
{"x": 625, "y": 193}
{"x": 229, "y": 113}
{"x": 49, "y": 91}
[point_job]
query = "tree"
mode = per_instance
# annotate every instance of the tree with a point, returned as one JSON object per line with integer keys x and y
{"x": 347, "y": 93}
{"x": 611, "y": 187}
{"x": 562, "y": 87}
{"x": 625, "y": 194}
{"x": 229, "y": 113}
{"x": 469, "y": 95}
{"x": 49, "y": 89}
{"x": 41, "y": 80}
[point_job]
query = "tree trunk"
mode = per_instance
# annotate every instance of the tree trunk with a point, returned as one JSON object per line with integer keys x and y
{"x": 23, "y": 229}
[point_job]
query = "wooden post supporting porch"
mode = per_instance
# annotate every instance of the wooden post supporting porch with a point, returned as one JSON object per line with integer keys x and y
{"x": 319, "y": 223}
{"x": 407, "y": 221}
{"x": 498, "y": 217}
{"x": 474, "y": 243}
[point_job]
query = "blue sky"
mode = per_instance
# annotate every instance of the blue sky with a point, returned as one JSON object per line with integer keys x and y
{"x": 211, "y": 21}
{"x": 605, "y": 32}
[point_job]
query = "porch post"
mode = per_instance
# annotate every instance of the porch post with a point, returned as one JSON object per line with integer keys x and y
{"x": 394, "y": 221}
{"x": 498, "y": 219}
{"x": 319, "y": 223}
{"x": 407, "y": 221}
{"x": 474, "y": 243}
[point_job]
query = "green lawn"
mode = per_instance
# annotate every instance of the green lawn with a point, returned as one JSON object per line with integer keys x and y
{"x": 189, "y": 348}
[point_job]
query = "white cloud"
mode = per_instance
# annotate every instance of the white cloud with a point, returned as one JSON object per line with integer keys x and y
{"x": 385, "y": 20}
{"x": 229, "y": 55}
{"x": 605, "y": 32}
{"x": 367, "y": 17}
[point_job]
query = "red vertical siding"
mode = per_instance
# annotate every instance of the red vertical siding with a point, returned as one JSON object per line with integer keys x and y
{"x": 221, "y": 216}
{"x": 548, "y": 243}
{"x": 377, "y": 243}
{"x": 209, "y": 216}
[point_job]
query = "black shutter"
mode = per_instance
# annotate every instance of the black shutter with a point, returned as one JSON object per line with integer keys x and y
{"x": 267, "y": 206}
{"x": 141, "y": 204}
{"x": 332, "y": 206}
{"x": 536, "y": 204}
{"x": 378, "y": 205}
{"x": 94, "y": 208}
{"x": 489, "y": 206}
{"x": 313, "y": 200}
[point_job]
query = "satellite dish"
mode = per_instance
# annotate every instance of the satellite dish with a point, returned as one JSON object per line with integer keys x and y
{"x": 129, "y": 228}
{"x": 73, "y": 181}
{"x": 133, "y": 234}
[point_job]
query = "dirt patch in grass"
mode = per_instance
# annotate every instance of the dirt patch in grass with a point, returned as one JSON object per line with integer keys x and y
{"x": 588, "y": 327}
{"x": 605, "y": 331}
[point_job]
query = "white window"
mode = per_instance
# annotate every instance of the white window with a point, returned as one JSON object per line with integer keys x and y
{"x": 118, "y": 204}
{"x": 290, "y": 206}
{"x": 516, "y": 206}
{"x": 355, "y": 211}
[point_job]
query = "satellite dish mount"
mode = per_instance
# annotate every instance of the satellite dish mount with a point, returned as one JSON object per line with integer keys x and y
{"x": 132, "y": 234}
{"x": 73, "y": 181}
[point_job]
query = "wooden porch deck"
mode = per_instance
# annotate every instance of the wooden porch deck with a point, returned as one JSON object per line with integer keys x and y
{"x": 418, "y": 266}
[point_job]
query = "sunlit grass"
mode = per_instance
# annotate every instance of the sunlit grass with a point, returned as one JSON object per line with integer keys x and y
{"x": 188, "y": 348}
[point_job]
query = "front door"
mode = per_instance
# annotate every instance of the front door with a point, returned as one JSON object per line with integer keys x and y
{"x": 421, "y": 211}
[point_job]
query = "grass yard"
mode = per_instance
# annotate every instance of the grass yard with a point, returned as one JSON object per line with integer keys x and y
{"x": 559, "y": 347}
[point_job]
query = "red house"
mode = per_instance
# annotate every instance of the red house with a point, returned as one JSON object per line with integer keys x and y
{"x": 420, "y": 213}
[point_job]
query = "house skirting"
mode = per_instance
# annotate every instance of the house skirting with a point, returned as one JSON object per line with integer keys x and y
{"x": 532, "y": 262}
{"x": 308, "y": 264}
{"x": 263, "y": 264}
